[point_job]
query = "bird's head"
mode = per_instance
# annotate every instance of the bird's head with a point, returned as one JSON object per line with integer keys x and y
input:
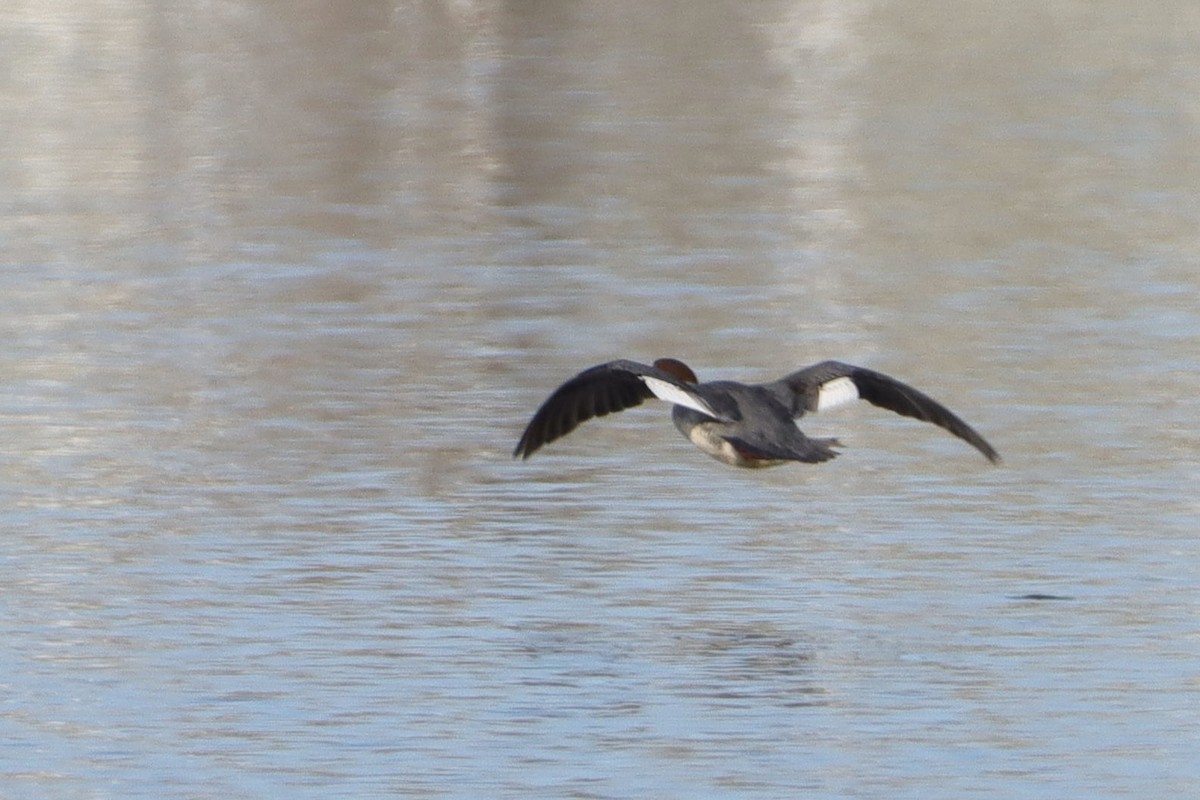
{"x": 676, "y": 368}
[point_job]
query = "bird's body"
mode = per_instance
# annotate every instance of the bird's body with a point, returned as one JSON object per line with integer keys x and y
{"x": 743, "y": 425}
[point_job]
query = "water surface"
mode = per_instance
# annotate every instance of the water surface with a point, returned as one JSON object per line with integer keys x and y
{"x": 281, "y": 287}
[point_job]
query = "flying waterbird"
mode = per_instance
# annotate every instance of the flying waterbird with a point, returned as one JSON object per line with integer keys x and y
{"x": 743, "y": 425}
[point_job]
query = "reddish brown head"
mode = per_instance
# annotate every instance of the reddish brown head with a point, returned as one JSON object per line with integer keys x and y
{"x": 676, "y": 368}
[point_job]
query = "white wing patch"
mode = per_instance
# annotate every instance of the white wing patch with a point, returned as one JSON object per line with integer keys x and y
{"x": 673, "y": 394}
{"x": 837, "y": 392}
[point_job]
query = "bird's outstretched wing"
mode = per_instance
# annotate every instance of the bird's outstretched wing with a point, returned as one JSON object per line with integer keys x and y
{"x": 600, "y": 390}
{"x": 832, "y": 383}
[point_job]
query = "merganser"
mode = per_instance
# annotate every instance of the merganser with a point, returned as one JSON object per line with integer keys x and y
{"x": 743, "y": 425}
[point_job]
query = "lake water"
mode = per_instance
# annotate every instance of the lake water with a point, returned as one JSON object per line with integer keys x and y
{"x": 282, "y": 283}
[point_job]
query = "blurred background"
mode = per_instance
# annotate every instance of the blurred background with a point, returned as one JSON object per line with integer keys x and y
{"x": 281, "y": 283}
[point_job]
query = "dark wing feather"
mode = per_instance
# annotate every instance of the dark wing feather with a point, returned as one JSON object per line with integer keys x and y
{"x": 883, "y": 391}
{"x": 595, "y": 392}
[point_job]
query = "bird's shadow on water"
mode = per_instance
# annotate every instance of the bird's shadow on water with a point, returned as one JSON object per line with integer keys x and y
{"x": 734, "y": 664}
{"x": 718, "y": 664}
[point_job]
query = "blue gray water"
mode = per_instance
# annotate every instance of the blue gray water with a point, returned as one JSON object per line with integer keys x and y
{"x": 281, "y": 285}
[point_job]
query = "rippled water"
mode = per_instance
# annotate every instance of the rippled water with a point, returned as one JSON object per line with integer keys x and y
{"x": 281, "y": 287}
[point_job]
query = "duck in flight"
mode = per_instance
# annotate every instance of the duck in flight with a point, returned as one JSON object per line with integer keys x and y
{"x": 743, "y": 425}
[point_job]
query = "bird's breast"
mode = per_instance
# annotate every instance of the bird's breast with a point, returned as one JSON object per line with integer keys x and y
{"x": 706, "y": 434}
